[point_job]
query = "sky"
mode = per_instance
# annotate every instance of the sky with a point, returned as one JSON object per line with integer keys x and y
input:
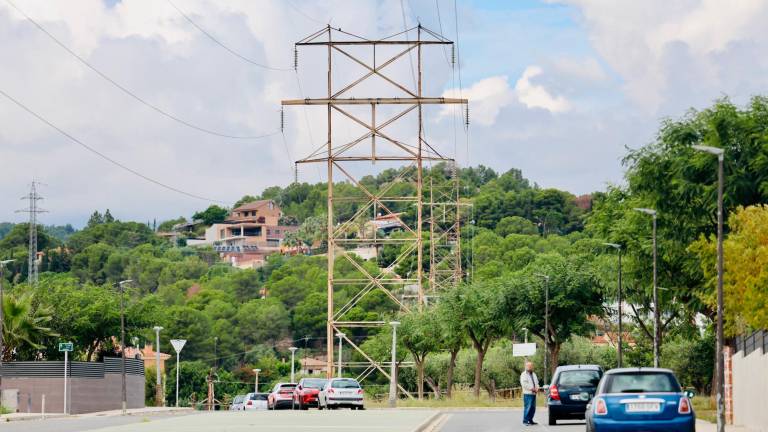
{"x": 559, "y": 89}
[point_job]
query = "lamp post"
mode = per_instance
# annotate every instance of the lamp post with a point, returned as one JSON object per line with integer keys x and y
{"x": 392, "y": 368}
{"x": 546, "y": 324}
{"x": 256, "y": 384}
{"x": 293, "y": 363}
{"x": 178, "y": 344}
{"x": 339, "y": 335}
{"x": 121, "y": 284}
{"x": 620, "y": 300}
{"x": 656, "y": 310}
{"x": 159, "y": 381}
{"x": 2, "y": 317}
{"x": 720, "y": 365}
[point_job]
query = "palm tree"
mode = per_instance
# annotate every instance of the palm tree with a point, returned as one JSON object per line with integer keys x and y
{"x": 24, "y": 326}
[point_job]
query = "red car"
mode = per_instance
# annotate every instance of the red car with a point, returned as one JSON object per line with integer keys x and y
{"x": 281, "y": 396}
{"x": 305, "y": 394}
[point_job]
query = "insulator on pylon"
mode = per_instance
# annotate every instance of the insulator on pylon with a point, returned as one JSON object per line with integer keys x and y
{"x": 453, "y": 55}
{"x": 282, "y": 119}
{"x": 295, "y": 173}
{"x": 466, "y": 119}
{"x": 295, "y": 58}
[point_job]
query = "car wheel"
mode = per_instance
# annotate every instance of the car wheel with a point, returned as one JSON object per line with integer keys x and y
{"x": 552, "y": 419}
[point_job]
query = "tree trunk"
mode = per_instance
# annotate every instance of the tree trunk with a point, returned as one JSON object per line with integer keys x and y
{"x": 449, "y": 380}
{"x": 554, "y": 357}
{"x": 420, "y": 378}
{"x": 478, "y": 370}
{"x": 435, "y": 386}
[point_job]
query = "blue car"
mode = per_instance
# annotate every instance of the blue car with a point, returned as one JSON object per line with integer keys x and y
{"x": 640, "y": 400}
{"x": 572, "y": 388}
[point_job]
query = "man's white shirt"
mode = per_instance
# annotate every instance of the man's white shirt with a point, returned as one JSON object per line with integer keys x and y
{"x": 529, "y": 382}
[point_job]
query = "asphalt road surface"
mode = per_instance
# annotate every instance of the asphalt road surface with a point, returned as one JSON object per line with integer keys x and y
{"x": 500, "y": 421}
{"x": 281, "y": 421}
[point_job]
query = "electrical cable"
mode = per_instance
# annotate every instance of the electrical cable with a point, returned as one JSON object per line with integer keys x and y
{"x": 410, "y": 57}
{"x": 129, "y": 92}
{"x": 103, "y": 156}
{"x": 221, "y": 44}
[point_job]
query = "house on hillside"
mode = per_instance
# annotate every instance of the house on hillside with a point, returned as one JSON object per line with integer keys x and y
{"x": 250, "y": 233}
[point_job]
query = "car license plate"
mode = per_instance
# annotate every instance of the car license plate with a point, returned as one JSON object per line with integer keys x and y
{"x": 643, "y": 407}
{"x": 583, "y": 396}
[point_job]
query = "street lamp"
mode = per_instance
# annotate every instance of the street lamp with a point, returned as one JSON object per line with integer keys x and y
{"x": 178, "y": 344}
{"x": 621, "y": 334}
{"x": 546, "y": 323}
{"x": 121, "y": 284}
{"x": 340, "y": 335}
{"x": 158, "y": 382}
{"x": 656, "y": 311}
{"x": 2, "y": 317}
{"x": 392, "y": 368}
{"x": 256, "y": 384}
{"x": 293, "y": 364}
{"x": 720, "y": 365}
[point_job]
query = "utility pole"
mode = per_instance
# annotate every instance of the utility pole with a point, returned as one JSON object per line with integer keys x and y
{"x": 620, "y": 300}
{"x": 340, "y": 336}
{"x": 393, "y": 367}
{"x": 121, "y": 284}
{"x": 293, "y": 363}
{"x": 656, "y": 308}
{"x": 256, "y": 383}
{"x": 158, "y": 381}
{"x": 33, "y": 197}
{"x": 546, "y": 324}
{"x": 2, "y": 317}
{"x": 377, "y": 143}
{"x": 720, "y": 366}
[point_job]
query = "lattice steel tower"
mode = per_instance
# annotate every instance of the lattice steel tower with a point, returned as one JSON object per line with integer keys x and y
{"x": 33, "y": 210}
{"x": 400, "y": 201}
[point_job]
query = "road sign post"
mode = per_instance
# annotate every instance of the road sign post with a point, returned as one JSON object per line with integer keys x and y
{"x": 178, "y": 344}
{"x": 66, "y": 347}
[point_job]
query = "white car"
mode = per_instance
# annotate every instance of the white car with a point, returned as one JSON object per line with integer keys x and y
{"x": 255, "y": 402}
{"x": 237, "y": 403}
{"x": 341, "y": 392}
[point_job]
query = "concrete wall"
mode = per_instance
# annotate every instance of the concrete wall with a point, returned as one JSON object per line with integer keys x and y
{"x": 750, "y": 383}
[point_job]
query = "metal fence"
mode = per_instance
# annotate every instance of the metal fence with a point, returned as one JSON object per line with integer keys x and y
{"x": 752, "y": 342}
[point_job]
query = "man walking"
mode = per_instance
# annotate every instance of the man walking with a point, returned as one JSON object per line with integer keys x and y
{"x": 530, "y": 384}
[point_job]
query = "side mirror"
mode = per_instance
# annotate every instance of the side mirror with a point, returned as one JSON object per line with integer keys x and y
{"x": 690, "y": 394}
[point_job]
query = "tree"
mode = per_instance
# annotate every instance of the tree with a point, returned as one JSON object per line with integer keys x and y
{"x": 452, "y": 335}
{"x": 262, "y": 320}
{"x": 574, "y": 296}
{"x": 745, "y": 282}
{"x": 515, "y": 225}
{"x": 168, "y": 225}
{"x": 25, "y": 327}
{"x": 420, "y": 334}
{"x": 480, "y": 309}
{"x": 213, "y": 214}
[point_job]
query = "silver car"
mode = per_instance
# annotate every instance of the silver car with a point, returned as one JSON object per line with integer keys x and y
{"x": 238, "y": 403}
{"x": 341, "y": 392}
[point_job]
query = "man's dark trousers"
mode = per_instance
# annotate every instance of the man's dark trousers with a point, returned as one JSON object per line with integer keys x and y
{"x": 529, "y": 407}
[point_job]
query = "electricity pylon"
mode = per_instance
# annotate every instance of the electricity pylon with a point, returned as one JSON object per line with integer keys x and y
{"x": 33, "y": 197}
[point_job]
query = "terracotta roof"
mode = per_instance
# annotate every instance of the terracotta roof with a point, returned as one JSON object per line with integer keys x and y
{"x": 253, "y": 205}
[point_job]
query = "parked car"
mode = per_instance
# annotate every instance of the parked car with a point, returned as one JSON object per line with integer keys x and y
{"x": 281, "y": 396}
{"x": 647, "y": 399}
{"x": 341, "y": 392}
{"x": 571, "y": 390}
{"x": 305, "y": 394}
{"x": 255, "y": 401}
{"x": 237, "y": 403}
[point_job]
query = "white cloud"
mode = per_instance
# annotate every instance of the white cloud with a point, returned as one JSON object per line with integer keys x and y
{"x": 486, "y": 98}
{"x": 535, "y": 95}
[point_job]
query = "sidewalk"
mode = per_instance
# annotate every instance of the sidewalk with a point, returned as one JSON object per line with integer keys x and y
{"x": 146, "y": 411}
{"x": 704, "y": 426}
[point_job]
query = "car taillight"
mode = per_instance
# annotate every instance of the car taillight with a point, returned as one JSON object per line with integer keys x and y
{"x": 359, "y": 391}
{"x": 600, "y": 407}
{"x": 330, "y": 390}
{"x": 250, "y": 403}
{"x": 685, "y": 406}
{"x": 554, "y": 393}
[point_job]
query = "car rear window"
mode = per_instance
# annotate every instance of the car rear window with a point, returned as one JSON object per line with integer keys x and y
{"x": 314, "y": 383}
{"x": 579, "y": 378}
{"x": 641, "y": 382}
{"x": 287, "y": 387}
{"x": 345, "y": 384}
{"x": 259, "y": 396}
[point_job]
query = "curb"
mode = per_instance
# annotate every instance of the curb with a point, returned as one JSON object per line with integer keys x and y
{"x": 429, "y": 424}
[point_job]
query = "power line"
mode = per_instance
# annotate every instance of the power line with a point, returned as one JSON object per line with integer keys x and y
{"x": 102, "y": 155}
{"x": 129, "y": 92}
{"x": 300, "y": 12}
{"x": 410, "y": 57}
{"x": 221, "y": 44}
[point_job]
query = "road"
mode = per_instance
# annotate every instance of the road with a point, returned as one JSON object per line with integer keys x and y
{"x": 499, "y": 421}
{"x": 283, "y": 421}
